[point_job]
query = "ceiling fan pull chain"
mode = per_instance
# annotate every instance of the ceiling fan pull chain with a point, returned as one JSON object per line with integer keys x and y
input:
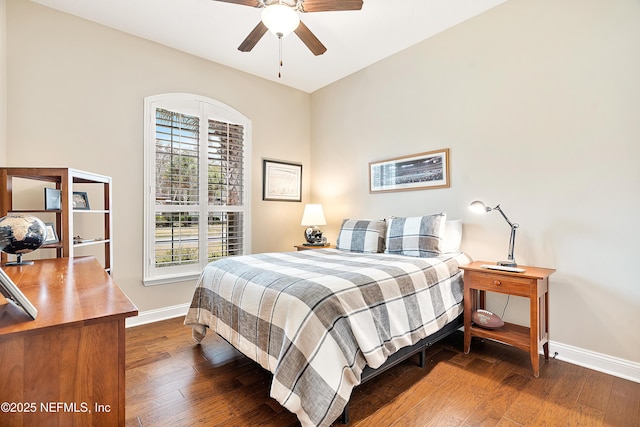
{"x": 280, "y": 64}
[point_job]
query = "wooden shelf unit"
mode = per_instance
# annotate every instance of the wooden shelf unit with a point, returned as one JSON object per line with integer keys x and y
{"x": 66, "y": 180}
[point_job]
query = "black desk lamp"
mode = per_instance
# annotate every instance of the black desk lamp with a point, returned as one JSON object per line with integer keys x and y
{"x": 479, "y": 207}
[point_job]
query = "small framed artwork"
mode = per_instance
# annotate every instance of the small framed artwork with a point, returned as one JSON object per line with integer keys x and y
{"x": 51, "y": 235}
{"x": 80, "y": 200}
{"x": 52, "y": 199}
{"x": 415, "y": 172}
{"x": 12, "y": 293}
{"x": 281, "y": 181}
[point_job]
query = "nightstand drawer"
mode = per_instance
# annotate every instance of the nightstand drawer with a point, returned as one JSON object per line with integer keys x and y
{"x": 500, "y": 283}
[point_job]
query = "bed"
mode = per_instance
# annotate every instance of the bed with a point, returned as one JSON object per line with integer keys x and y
{"x": 318, "y": 319}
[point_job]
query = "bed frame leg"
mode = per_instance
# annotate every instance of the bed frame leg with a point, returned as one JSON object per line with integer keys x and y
{"x": 422, "y": 357}
{"x": 344, "y": 418}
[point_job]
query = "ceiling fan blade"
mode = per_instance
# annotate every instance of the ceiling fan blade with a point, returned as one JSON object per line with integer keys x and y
{"x": 330, "y": 5}
{"x": 310, "y": 39}
{"x": 254, "y": 37}
{"x": 253, "y": 3}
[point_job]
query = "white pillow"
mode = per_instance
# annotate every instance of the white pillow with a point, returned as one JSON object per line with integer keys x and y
{"x": 452, "y": 238}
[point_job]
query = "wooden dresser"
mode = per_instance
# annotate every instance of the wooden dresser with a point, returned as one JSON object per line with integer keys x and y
{"x": 67, "y": 367}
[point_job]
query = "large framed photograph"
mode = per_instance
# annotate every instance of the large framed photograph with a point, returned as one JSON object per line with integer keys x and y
{"x": 80, "y": 200}
{"x": 281, "y": 181}
{"x": 52, "y": 199}
{"x": 13, "y": 294}
{"x": 415, "y": 172}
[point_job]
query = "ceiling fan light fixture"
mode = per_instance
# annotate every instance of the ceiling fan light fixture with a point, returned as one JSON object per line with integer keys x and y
{"x": 280, "y": 19}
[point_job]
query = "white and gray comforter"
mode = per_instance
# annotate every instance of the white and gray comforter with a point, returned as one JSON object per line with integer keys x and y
{"x": 315, "y": 318}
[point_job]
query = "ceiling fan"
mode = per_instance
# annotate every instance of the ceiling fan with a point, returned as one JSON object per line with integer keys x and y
{"x": 281, "y": 18}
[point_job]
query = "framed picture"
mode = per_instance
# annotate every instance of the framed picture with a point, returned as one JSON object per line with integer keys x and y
{"x": 12, "y": 293}
{"x": 281, "y": 181}
{"x": 52, "y": 199}
{"x": 80, "y": 200}
{"x": 415, "y": 172}
{"x": 51, "y": 235}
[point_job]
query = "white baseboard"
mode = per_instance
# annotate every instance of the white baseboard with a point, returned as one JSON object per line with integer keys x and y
{"x": 578, "y": 356}
{"x": 157, "y": 315}
{"x": 597, "y": 361}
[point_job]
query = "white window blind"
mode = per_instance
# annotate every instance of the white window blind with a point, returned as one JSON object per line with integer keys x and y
{"x": 196, "y": 170}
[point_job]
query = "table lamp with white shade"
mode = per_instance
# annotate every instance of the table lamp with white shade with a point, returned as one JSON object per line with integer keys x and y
{"x": 312, "y": 217}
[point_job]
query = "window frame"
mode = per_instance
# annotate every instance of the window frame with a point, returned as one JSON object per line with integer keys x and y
{"x": 205, "y": 108}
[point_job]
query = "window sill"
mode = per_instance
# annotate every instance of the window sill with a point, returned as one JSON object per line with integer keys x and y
{"x": 165, "y": 280}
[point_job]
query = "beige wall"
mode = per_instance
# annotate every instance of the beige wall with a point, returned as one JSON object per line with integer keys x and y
{"x": 3, "y": 84}
{"x": 538, "y": 102}
{"x": 75, "y": 98}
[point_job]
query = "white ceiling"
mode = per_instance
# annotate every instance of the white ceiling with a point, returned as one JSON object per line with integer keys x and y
{"x": 213, "y": 30}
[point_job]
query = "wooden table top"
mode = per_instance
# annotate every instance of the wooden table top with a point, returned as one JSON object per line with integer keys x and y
{"x": 529, "y": 271}
{"x": 66, "y": 292}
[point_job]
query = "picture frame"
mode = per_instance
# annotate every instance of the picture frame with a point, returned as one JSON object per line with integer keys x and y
{"x": 422, "y": 171}
{"x": 80, "y": 200}
{"x": 50, "y": 233}
{"x": 281, "y": 181}
{"x": 52, "y": 199}
{"x": 13, "y": 294}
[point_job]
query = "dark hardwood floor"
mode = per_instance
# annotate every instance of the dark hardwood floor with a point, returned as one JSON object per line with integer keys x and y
{"x": 171, "y": 381}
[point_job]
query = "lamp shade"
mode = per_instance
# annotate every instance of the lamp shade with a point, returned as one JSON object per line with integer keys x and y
{"x": 313, "y": 215}
{"x": 478, "y": 207}
{"x": 280, "y": 19}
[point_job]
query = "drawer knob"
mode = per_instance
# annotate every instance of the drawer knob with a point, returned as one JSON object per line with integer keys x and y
{"x": 497, "y": 282}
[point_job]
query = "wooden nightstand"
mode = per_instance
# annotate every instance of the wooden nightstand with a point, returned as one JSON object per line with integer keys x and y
{"x": 533, "y": 283}
{"x": 305, "y": 247}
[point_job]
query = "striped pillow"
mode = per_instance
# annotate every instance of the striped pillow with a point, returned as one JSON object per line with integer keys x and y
{"x": 362, "y": 235}
{"x": 419, "y": 236}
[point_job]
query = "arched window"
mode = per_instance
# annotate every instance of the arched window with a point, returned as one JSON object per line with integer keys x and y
{"x": 197, "y": 180}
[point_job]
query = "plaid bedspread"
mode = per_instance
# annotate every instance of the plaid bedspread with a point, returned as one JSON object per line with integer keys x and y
{"x": 315, "y": 318}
